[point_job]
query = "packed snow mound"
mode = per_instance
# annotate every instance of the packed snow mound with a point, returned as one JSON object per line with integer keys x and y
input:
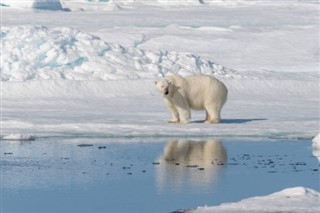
{"x": 35, "y": 4}
{"x": 294, "y": 200}
{"x": 39, "y": 53}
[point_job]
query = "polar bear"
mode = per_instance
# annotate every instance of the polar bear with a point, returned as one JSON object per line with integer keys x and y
{"x": 201, "y": 92}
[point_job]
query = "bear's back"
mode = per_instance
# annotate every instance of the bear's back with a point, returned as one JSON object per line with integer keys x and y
{"x": 203, "y": 89}
{"x": 201, "y": 80}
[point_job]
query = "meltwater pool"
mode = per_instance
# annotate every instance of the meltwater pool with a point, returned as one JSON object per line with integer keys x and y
{"x": 149, "y": 175}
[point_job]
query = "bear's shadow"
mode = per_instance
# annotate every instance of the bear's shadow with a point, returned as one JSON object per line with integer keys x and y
{"x": 234, "y": 121}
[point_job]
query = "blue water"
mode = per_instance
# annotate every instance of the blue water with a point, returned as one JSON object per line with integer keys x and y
{"x": 58, "y": 175}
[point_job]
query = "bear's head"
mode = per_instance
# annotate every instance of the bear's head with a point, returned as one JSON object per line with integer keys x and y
{"x": 164, "y": 86}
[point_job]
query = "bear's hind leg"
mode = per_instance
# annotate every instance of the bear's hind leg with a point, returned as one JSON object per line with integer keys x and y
{"x": 212, "y": 114}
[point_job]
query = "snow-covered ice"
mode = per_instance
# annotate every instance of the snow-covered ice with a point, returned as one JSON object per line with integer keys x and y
{"x": 98, "y": 68}
{"x": 298, "y": 199}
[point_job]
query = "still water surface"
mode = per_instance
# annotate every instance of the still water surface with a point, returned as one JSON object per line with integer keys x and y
{"x": 100, "y": 175}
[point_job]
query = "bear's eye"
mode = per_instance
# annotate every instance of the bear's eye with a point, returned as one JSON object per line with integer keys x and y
{"x": 162, "y": 86}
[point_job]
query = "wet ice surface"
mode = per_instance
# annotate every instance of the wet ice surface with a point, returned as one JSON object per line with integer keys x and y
{"x": 105, "y": 175}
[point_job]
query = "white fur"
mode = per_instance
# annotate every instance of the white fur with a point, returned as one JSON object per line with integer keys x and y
{"x": 194, "y": 92}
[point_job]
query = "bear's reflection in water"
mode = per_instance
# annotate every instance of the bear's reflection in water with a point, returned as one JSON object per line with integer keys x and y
{"x": 195, "y": 163}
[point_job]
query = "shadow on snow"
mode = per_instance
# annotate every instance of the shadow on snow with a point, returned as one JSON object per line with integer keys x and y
{"x": 234, "y": 121}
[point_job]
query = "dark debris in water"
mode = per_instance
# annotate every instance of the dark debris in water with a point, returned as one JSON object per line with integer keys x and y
{"x": 270, "y": 163}
{"x": 85, "y": 145}
{"x": 102, "y": 147}
{"x": 192, "y": 166}
{"x": 182, "y": 210}
{"x": 126, "y": 167}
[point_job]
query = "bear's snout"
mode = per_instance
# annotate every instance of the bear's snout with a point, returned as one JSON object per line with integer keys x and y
{"x": 166, "y": 91}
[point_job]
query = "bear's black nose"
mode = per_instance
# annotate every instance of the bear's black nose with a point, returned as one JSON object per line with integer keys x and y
{"x": 166, "y": 91}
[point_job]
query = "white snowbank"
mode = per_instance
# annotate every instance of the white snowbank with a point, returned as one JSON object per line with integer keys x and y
{"x": 40, "y": 53}
{"x": 316, "y": 146}
{"x": 34, "y": 4}
{"x": 316, "y": 142}
{"x": 18, "y": 137}
{"x": 294, "y": 200}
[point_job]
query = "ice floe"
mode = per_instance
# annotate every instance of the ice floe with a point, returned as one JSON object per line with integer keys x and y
{"x": 19, "y": 137}
{"x": 294, "y": 200}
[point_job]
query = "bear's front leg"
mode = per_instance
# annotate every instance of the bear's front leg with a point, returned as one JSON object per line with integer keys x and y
{"x": 184, "y": 115}
{"x": 173, "y": 110}
{"x": 174, "y": 121}
{"x": 182, "y": 107}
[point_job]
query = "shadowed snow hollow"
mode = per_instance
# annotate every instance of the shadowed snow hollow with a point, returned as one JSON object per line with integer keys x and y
{"x": 37, "y": 52}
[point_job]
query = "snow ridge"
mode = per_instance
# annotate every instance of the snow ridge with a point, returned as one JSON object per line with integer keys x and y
{"x": 40, "y": 53}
